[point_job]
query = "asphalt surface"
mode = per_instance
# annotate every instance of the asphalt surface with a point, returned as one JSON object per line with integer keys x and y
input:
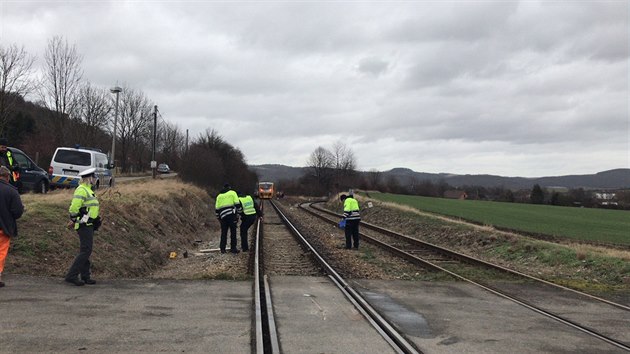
{"x": 49, "y": 315}
{"x": 40, "y": 314}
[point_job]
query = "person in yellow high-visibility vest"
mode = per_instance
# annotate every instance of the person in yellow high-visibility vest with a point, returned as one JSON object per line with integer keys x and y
{"x": 249, "y": 211}
{"x": 226, "y": 207}
{"x": 6, "y": 159}
{"x": 84, "y": 218}
{"x": 352, "y": 215}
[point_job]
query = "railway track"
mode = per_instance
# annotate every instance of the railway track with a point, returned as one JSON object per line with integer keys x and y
{"x": 267, "y": 338}
{"x": 459, "y": 266}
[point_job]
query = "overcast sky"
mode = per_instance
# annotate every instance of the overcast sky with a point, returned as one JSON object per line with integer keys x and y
{"x": 469, "y": 87}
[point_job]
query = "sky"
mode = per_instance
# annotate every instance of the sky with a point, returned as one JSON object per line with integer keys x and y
{"x": 510, "y": 88}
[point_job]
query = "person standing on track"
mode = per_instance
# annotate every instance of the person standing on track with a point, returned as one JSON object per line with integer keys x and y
{"x": 226, "y": 208}
{"x": 11, "y": 209}
{"x": 352, "y": 215}
{"x": 249, "y": 212}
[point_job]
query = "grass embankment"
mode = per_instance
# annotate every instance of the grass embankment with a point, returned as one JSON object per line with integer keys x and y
{"x": 579, "y": 266}
{"x": 142, "y": 223}
{"x": 600, "y": 225}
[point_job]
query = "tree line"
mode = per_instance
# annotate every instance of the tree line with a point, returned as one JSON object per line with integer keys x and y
{"x": 333, "y": 171}
{"x": 67, "y": 110}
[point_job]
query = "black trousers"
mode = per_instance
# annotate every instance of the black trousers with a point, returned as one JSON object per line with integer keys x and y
{"x": 352, "y": 233}
{"x": 228, "y": 222}
{"x": 81, "y": 264}
{"x": 246, "y": 222}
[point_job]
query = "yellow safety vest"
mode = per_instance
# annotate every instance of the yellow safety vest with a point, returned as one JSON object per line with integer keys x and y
{"x": 248, "y": 205}
{"x": 83, "y": 198}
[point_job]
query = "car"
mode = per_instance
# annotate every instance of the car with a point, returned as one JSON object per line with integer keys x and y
{"x": 163, "y": 168}
{"x": 67, "y": 163}
{"x": 32, "y": 178}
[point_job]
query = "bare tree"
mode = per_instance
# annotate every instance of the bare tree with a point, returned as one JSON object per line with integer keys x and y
{"x": 344, "y": 157}
{"x": 322, "y": 162}
{"x": 172, "y": 143}
{"x": 134, "y": 127}
{"x": 60, "y": 82}
{"x": 344, "y": 165}
{"x": 92, "y": 111}
{"x": 15, "y": 70}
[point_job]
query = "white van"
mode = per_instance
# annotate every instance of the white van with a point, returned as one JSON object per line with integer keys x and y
{"x": 67, "y": 163}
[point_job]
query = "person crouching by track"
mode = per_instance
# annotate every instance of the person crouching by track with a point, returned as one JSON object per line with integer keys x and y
{"x": 249, "y": 211}
{"x": 85, "y": 219}
{"x": 11, "y": 209}
{"x": 353, "y": 217}
{"x": 226, "y": 207}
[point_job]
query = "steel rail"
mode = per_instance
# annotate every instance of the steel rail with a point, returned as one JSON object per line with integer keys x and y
{"x": 413, "y": 258}
{"x": 266, "y": 332}
{"x": 399, "y": 343}
{"x": 473, "y": 260}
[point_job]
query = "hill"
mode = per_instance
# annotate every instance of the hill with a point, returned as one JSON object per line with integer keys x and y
{"x": 611, "y": 179}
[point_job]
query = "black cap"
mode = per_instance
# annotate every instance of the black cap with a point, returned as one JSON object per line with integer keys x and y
{"x": 343, "y": 196}
{"x": 227, "y": 186}
{"x": 4, "y": 141}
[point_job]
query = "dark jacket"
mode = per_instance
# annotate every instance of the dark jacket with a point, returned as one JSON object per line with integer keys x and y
{"x": 11, "y": 208}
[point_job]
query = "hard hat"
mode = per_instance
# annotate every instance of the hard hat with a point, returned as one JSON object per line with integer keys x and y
{"x": 87, "y": 173}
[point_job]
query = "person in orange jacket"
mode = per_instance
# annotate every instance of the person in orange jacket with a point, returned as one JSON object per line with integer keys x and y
{"x": 11, "y": 209}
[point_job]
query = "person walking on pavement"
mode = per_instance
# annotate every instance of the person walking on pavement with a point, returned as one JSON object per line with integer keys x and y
{"x": 352, "y": 216}
{"x": 11, "y": 209}
{"x": 84, "y": 218}
{"x": 226, "y": 208}
{"x": 249, "y": 212}
{"x": 6, "y": 159}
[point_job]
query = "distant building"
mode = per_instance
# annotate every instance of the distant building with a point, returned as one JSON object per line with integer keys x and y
{"x": 455, "y": 194}
{"x": 604, "y": 196}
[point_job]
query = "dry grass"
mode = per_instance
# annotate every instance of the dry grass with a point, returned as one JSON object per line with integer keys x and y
{"x": 143, "y": 221}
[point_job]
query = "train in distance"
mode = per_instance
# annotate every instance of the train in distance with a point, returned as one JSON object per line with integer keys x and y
{"x": 266, "y": 190}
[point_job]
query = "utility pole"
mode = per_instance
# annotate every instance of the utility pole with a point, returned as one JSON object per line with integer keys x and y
{"x": 112, "y": 159}
{"x": 153, "y": 162}
{"x": 186, "y": 151}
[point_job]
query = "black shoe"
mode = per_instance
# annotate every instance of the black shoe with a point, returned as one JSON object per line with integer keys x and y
{"x": 1, "y": 284}
{"x": 75, "y": 281}
{"x": 222, "y": 251}
{"x": 89, "y": 281}
{"x": 234, "y": 251}
{"x": 246, "y": 250}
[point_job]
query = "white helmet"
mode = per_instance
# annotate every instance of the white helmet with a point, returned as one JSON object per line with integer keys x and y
{"x": 87, "y": 173}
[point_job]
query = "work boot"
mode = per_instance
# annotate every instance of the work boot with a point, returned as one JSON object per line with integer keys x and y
{"x": 1, "y": 284}
{"x": 234, "y": 251}
{"x": 89, "y": 281}
{"x": 75, "y": 281}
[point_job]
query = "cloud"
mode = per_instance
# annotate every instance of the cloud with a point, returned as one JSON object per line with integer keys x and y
{"x": 515, "y": 88}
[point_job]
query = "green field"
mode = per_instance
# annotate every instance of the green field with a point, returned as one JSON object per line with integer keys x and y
{"x": 611, "y": 226}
